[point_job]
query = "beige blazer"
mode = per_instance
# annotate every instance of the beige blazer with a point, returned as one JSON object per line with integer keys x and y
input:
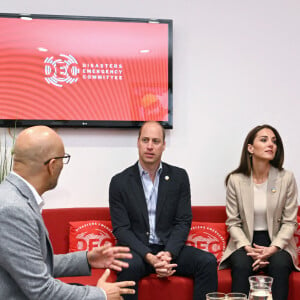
{"x": 282, "y": 208}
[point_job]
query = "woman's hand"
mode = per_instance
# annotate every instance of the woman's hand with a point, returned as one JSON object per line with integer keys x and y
{"x": 260, "y": 255}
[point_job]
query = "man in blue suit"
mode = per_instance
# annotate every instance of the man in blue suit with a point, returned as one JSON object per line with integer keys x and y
{"x": 150, "y": 206}
{"x": 28, "y": 266}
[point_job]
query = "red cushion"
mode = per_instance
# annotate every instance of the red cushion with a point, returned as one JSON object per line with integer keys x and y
{"x": 151, "y": 287}
{"x": 297, "y": 238}
{"x": 211, "y": 237}
{"x": 294, "y": 286}
{"x": 174, "y": 287}
{"x": 85, "y": 235}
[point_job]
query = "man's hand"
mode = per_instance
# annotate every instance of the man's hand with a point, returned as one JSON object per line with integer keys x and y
{"x": 164, "y": 255}
{"x": 108, "y": 257}
{"x": 114, "y": 290}
{"x": 164, "y": 269}
{"x": 161, "y": 263}
{"x": 151, "y": 259}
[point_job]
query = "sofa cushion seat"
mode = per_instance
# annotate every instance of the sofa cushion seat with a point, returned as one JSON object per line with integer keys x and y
{"x": 184, "y": 285}
{"x": 150, "y": 287}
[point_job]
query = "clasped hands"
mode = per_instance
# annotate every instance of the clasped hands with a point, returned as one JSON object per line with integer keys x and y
{"x": 109, "y": 257}
{"x": 161, "y": 262}
{"x": 260, "y": 255}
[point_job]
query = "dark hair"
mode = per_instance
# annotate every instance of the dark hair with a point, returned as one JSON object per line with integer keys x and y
{"x": 245, "y": 166}
{"x": 155, "y": 122}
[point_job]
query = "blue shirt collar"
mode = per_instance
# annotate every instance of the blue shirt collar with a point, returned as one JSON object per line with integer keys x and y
{"x": 143, "y": 172}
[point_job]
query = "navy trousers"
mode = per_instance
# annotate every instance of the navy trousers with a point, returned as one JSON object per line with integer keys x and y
{"x": 280, "y": 266}
{"x": 192, "y": 262}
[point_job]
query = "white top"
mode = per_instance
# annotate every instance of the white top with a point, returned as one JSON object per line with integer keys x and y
{"x": 260, "y": 206}
{"x": 40, "y": 202}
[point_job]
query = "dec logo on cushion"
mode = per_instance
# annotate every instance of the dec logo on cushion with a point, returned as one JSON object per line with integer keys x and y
{"x": 297, "y": 239}
{"x": 211, "y": 237}
{"x": 85, "y": 235}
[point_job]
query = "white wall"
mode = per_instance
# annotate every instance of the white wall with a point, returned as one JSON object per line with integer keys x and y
{"x": 236, "y": 65}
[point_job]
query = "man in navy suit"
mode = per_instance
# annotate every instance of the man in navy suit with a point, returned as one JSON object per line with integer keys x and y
{"x": 150, "y": 206}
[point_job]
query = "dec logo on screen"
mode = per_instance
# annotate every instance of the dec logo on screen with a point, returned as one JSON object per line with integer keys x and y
{"x": 60, "y": 71}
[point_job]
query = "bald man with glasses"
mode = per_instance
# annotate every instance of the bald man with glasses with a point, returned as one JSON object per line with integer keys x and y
{"x": 28, "y": 266}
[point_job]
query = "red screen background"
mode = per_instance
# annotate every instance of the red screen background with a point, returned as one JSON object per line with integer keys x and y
{"x": 134, "y": 89}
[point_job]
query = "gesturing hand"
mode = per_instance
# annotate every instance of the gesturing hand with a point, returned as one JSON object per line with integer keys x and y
{"x": 108, "y": 257}
{"x": 114, "y": 290}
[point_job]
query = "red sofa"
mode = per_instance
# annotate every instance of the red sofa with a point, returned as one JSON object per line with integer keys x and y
{"x": 175, "y": 287}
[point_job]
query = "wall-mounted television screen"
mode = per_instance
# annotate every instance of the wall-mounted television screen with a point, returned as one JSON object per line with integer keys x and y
{"x": 74, "y": 71}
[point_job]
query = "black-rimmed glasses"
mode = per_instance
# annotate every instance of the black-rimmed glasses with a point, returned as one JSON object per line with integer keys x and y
{"x": 65, "y": 159}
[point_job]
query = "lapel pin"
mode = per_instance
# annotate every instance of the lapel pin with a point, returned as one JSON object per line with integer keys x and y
{"x": 167, "y": 177}
{"x": 273, "y": 190}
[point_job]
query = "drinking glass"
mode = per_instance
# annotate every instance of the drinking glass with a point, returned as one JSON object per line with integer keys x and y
{"x": 236, "y": 296}
{"x": 260, "y": 288}
{"x": 215, "y": 296}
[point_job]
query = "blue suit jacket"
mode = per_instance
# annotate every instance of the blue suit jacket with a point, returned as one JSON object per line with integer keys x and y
{"x": 129, "y": 213}
{"x": 27, "y": 263}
